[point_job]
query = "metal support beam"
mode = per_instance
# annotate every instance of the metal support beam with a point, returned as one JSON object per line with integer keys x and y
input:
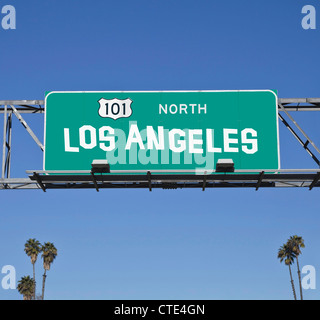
{"x": 8, "y": 145}
{"x": 22, "y": 102}
{"x": 304, "y": 145}
{"x": 20, "y": 183}
{"x": 149, "y": 180}
{"x": 6, "y": 148}
{"x": 204, "y": 181}
{"x": 259, "y": 180}
{"x": 23, "y": 122}
{"x": 300, "y": 104}
{"x": 165, "y": 181}
{"x": 4, "y": 142}
{"x": 37, "y": 178}
{"x": 299, "y": 128}
{"x": 94, "y": 181}
{"x": 315, "y": 180}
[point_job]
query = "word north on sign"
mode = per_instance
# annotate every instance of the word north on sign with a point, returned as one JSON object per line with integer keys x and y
{"x": 163, "y": 131}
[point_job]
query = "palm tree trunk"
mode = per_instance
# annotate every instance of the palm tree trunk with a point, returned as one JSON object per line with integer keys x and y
{"x": 43, "y": 283}
{"x": 299, "y": 275}
{"x": 34, "y": 279}
{"x": 294, "y": 291}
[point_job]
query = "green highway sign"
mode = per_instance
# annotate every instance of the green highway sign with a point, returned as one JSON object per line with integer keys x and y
{"x": 161, "y": 131}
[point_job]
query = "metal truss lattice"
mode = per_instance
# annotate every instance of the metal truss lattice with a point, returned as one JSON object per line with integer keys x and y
{"x": 38, "y": 179}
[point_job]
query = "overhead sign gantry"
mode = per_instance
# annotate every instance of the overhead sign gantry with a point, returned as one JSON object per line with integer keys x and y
{"x": 162, "y": 139}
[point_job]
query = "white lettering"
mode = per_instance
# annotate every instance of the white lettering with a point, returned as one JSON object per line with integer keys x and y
{"x": 246, "y": 140}
{"x": 173, "y": 109}
{"x": 134, "y": 137}
{"x": 204, "y": 108}
{"x": 193, "y": 141}
{"x": 67, "y": 147}
{"x": 152, "y": 139}
{"x": 163, "y": 108}
{"x": 93, "y": 137}
{"x": 228, "y": 140}
{"x": 181, "y": 143}
{"x": 198, "y": 146}
{"x": 192, "y": 106}
{"x": 210, "y": 142}
{"x": 183, "y": 107}
{"x": 109, "y": 139}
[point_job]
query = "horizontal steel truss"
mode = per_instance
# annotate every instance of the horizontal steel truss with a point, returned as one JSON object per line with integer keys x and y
{"x": 174, "y": 181}
{"x": 309, "y": 178}
{"x": 37, "y": 106}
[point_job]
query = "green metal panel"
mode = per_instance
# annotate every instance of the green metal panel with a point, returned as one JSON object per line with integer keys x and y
{"x": 237, "y": 125}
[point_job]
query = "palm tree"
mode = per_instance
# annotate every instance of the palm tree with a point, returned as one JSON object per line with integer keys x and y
{"x": 295, "y": 244}
{"x": 32, "y": 248}
{"x": 285, "y": 253}
{"x": 26, "y": 287}
{"x": 49, "y": 253}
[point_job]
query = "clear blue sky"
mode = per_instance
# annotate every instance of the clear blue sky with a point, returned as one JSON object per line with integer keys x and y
{"x": 183, "y": 244}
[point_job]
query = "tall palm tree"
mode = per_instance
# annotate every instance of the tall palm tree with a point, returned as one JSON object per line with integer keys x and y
{"x": 32, "y": 248}
{"x": 285, "y": 253}
{"x": 26, "y": 287}
{"x": 49, "y": 253}
{"x": 296, "y": 243}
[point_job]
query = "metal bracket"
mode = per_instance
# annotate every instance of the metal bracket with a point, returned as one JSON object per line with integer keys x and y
{"x": 94, "y": 181}
{"x": 259, "y": 180}
{"x": 316, "y": 179}
{"x": 37, "y": 178}
{"x": 149, "y": 180}
{"x": 204, "y": 181}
